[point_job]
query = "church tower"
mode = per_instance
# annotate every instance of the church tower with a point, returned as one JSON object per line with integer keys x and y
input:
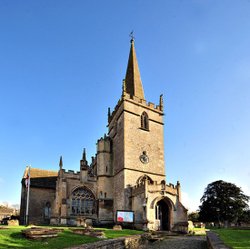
{"x": 136, "y": 130}
{"x": 127, "y": 172}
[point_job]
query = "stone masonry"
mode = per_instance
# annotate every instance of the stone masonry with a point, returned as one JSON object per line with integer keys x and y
{"x": 126, "y": 173}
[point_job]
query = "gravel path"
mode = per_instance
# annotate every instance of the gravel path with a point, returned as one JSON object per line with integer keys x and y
{"x": 180, "y": 242}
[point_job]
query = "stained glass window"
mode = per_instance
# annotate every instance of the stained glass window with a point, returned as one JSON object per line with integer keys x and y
{"x": 82, "y": 202}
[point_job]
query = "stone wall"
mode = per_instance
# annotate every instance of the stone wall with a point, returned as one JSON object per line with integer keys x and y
{"x": 137, "y": 140}
{"x": 37, "y": 203}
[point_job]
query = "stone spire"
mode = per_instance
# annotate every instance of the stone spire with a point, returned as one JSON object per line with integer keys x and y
{"x": 133, "y": 83}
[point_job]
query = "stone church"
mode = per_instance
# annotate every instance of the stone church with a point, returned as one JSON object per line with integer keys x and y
{"x": 127, "y": 172}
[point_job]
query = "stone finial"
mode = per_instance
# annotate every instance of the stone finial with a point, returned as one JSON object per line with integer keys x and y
{"x": 109, "y": 114}
{"x": 83, "y": 161}
{"x": 61, "y": 162}
{"x": 84, "y": 154}
{"x": 123, "y": 87}
{"x": 161, "y": 102}
{"x": 178, "y": 186}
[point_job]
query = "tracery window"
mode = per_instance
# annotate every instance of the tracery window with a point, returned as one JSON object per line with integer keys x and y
{"x": 144, "y": 121}
{"x": 82, "y": 202}
{"x": 144, "y": 178}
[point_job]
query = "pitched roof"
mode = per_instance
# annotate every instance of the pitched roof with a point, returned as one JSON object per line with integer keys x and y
{"x": 133, "y": 83}
{"x": 41, "y": 178}
{"x": 38, "y": 173}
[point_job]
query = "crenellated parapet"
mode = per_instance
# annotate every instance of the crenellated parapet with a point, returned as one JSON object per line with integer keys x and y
{"x": 155, "y": 186}
{"x": 103, "y": 144}
{"x": 171, "y": 189}
{"x": 144, "y": 103}
{"x": 140, "y": 102}
{"x": 70, "y": 174}
{"x": 138, "y": 188}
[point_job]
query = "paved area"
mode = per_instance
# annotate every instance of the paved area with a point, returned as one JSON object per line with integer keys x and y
{"x": 180, "y": 242}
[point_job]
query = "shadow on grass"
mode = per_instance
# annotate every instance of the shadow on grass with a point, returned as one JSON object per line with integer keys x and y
{"x": 13, "y": 238}
{"x": 17, "y": 235}
{"x": 16, "y": 240}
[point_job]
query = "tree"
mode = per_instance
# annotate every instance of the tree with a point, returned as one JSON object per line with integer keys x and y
{"x": 222, "y": 201}
{"x": 245, "y": 217}
{"x": 194, "y": 216}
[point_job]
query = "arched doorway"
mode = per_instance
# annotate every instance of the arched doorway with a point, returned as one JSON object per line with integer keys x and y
{"x": 162, "y": 213}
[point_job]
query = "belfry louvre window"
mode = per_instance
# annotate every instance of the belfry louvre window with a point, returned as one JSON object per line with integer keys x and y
{"x": 82, "y": 202}
{"x": 144, "y": 121}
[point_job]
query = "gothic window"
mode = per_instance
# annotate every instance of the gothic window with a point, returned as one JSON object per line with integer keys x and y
{"x": 105, "y": 195}
{"x": 144, "y": 178}
{"x": 82, "y": 202}
{"x": 144, "y": 121}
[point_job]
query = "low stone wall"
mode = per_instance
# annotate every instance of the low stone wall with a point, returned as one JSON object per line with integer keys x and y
{"x": 131, "y": 242}
{"x": 214, "y": 242}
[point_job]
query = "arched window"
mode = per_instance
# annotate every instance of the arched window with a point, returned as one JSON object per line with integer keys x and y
{"x": 82, "y": 202}
{"x": 144, "y": 178}
{"x": 144, "y": 121}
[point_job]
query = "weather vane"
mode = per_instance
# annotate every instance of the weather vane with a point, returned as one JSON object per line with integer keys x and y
{"x": 132, "y": 35}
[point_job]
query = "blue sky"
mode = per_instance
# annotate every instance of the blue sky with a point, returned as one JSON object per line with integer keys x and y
{"x": 62, "y": 65}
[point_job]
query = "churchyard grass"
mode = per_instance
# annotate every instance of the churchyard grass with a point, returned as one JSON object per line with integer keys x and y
{"x": 235, "y": 238}
{"x": 111, "y": 234}
{"x": 11, "y": 237}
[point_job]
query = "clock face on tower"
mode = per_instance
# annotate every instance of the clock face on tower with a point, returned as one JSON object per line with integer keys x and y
{"x": 144, "y": 158}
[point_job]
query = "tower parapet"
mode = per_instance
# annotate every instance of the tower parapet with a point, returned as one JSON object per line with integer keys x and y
{"x": 139, "y": 102}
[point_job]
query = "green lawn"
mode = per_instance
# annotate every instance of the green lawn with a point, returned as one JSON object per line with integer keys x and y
{"x": 12, "y": 238}
{"x": 110, "y": 233}
{"x": 235, "y": 238}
